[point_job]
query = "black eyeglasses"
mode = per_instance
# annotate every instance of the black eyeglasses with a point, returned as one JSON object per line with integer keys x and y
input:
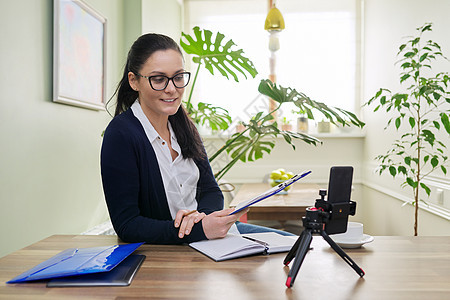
{"x": 160, "y": 82}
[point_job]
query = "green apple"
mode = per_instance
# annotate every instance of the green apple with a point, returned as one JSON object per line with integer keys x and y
{"x": 280, "y": 175}
{"x": 276, "y": 175}
{"x": 282, "y": 171}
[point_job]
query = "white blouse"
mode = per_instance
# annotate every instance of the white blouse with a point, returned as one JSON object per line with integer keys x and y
{"x": 179, "y": 176}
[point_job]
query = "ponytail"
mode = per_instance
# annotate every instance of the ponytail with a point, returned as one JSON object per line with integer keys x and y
{"x": 187, "y": 135}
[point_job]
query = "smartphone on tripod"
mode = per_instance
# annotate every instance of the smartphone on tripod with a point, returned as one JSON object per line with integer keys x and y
{"x": 338, "y": 200}
{"x": 328, "y": 216}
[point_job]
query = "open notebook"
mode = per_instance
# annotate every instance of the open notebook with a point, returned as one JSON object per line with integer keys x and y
{"x": 234, "y": 246}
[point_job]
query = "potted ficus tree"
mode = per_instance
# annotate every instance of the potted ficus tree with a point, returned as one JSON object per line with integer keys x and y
{"x": 421, "y": 111}
{"x": 257, "y": 136}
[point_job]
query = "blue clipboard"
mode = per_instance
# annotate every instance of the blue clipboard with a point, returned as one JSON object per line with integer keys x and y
{"x": 276, "y": 189}
{"x": 78, "y": 261}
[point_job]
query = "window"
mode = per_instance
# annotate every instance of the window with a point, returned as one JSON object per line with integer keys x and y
{"x": 318, "y": 54}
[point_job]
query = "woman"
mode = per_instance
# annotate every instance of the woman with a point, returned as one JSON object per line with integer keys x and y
{"x": 157, "y": 180}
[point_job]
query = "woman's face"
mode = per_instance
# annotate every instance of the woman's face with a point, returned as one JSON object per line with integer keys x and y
{"x": 159, "y": 105}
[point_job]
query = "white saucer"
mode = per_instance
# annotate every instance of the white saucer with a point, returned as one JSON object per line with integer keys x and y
{"x": 354, "y": 244}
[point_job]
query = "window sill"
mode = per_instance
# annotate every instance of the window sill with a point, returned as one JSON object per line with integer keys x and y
{"x": 320, "y": 136}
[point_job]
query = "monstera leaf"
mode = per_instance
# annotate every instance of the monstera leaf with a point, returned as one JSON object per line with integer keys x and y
{"x": 256, "y": 140}
{"x": 216, "y": 118}
{"x": 281, "y": 95}
{"x": 216, "y": 53}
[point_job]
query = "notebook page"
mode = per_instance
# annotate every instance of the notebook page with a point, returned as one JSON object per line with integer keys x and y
{"x": 231, "y": 246}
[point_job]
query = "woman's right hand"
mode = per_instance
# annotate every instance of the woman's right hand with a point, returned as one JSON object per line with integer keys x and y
{"x": 216, "y": 224}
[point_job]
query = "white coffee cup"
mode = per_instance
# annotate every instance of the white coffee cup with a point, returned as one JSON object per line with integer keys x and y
{"x": 354, "y": 233}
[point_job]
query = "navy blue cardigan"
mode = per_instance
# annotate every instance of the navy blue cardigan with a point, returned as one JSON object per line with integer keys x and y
{"x": 134, "y": 189}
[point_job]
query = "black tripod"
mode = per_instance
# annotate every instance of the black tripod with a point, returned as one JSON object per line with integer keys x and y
{"x": 319, "y": 220}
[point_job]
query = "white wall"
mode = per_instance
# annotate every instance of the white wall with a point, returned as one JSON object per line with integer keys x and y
{"x": 387, "y": 23}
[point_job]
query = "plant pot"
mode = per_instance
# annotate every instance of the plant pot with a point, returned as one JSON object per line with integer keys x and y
{"x": 302, "y": 124}
{"x": 240, "y": 128}
{"x": 286, "y": 127}
{"x": 323, "y": 127}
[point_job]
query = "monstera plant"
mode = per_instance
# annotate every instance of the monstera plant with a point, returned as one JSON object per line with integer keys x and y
{"x": 217, "y": 54}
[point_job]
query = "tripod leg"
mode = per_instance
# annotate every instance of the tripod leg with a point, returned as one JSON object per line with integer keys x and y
{"x": 290, "y": 256}
{"x": 342, "y": 254}
{"x": 303, "y": 247}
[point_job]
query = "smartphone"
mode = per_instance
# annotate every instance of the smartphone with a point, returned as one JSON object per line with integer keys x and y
{"x": 338, "y": 201}
{"x": 340, "y": 184}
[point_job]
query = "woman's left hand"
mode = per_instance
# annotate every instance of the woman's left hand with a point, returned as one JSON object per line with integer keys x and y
{"x": 185, "y": 220}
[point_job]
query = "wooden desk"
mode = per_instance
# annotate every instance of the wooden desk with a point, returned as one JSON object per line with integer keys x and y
{"x": 396, "y": 268}
{"x": 290, "y": 206}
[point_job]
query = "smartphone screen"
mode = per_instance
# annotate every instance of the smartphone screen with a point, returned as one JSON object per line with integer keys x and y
{"x": 339, "y": 194}
{"x": 340, "y": 184}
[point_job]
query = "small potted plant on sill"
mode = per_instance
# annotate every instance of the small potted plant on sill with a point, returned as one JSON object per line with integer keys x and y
{"x": 286, "y": 124}
{"x": 240, "y": 127}
{"x": 302, "y": 121}
{"x": 323, "y": 126}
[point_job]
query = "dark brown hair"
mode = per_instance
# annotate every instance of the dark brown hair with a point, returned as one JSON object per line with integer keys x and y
{"x": 187, "y": 135}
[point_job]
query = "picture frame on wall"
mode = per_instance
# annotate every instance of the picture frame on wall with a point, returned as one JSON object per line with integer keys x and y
{"x": 79, "y": 55}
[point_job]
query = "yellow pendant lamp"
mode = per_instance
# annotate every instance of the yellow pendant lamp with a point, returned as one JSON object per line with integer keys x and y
{"x": 274, "y": 20}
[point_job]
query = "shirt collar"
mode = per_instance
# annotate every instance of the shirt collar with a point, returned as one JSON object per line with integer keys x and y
{"x": 150, "y": 131}
{"x": 174, "y": 141}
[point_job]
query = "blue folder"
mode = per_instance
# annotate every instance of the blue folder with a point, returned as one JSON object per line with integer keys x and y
{"x": 75, "y": 261}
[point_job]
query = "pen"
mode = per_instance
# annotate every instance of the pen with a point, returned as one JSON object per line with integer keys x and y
{"x": 186, "y": 214}
{"x": 189, "y": 213}
{"x": 266, "y": 245}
